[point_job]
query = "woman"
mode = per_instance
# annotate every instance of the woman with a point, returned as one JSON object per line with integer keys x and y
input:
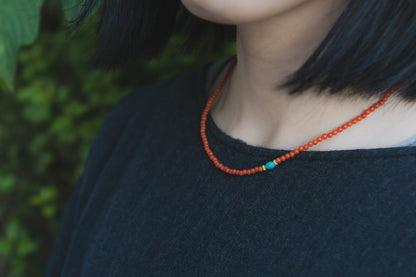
{"x": 210, "y": 173}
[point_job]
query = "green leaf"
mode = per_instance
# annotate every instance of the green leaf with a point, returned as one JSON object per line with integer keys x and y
{"x": 6, "y": 184}
{"x": 12, "y": 229}
{"x": 26, "y": 246}
{"x": 19, "y": 24}
{"x": 5, "y": 246}
{"x": 45, "y": 195}
{"x": 49, "y": 211}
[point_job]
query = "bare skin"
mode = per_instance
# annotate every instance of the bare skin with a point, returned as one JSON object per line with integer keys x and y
{"x": 274, "y": 38}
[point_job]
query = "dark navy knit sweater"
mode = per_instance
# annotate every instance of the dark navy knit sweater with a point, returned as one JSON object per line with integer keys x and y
{"x": 151, "y": 203}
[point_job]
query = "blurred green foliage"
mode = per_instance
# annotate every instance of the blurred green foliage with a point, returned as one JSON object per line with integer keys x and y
{"x": 47, "y": 124}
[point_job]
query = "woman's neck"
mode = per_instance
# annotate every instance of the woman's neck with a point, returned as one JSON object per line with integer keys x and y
{"x": 307, "y": 116}
{"x": 251, "y": 109}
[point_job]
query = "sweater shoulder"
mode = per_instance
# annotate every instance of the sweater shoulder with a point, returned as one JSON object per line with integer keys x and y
{"x": 151, "y": 101}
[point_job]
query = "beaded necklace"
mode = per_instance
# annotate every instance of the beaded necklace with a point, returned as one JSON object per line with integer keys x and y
{"x": 272, "y": 164}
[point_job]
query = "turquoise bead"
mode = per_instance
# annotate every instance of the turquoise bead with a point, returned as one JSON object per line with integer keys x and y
{"x": 270, "y": 165}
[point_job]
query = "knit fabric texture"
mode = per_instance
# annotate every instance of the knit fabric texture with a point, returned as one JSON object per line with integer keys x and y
{"x": 151, "y": 203}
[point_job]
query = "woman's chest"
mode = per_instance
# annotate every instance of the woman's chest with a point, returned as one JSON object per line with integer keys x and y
{"x": 183, "y": 227}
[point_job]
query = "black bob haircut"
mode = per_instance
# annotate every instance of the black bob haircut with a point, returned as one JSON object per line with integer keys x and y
{"x": 370, "y": 49}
